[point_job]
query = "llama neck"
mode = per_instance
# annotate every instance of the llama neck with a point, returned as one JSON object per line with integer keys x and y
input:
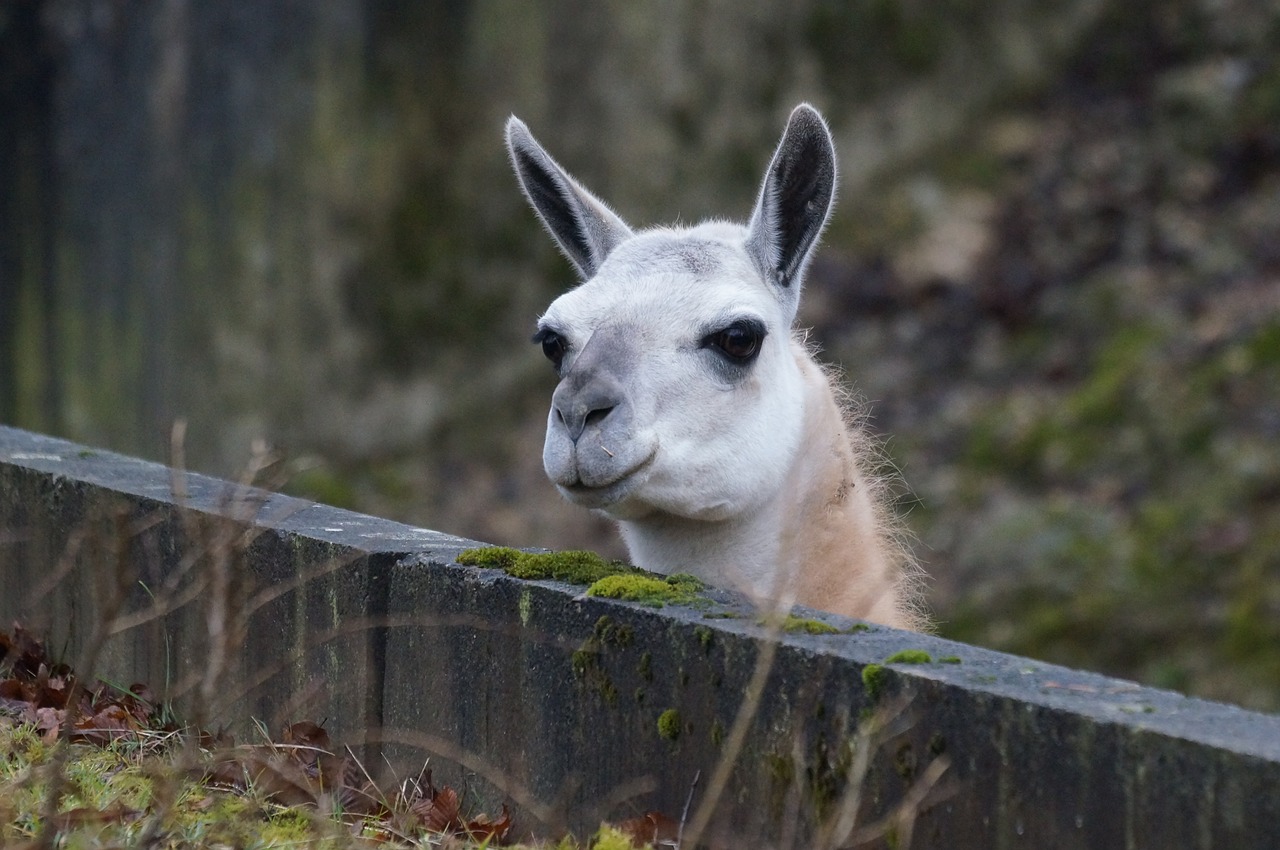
{"x": 818, "y": 541}
{"x": 833, "y": 545}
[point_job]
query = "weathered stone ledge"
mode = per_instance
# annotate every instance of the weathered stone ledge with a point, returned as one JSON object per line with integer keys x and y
{"x": 576, "y": 708}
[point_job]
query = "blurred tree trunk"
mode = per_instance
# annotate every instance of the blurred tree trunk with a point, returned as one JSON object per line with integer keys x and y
{"x": 30, "y": 368}
{"x": 159, "y": 161}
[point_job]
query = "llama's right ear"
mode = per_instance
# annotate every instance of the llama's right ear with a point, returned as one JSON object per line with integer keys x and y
{"x": 583, "y": 226}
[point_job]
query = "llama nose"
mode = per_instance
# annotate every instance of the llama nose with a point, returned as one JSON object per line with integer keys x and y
{"x": 589, "y": 405}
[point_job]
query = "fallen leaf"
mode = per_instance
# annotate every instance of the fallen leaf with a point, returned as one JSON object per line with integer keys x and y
{"x": 105, "y": 726}
{"x": 482, "y": 829}
{"x": 279, "y": 778}
{"x": 115, "y": 813}
{"x": 22, "y": 653}
{"x": 650, "y": 828}
{"x": 439, "y": 812}
{"x": 48, "y": 722}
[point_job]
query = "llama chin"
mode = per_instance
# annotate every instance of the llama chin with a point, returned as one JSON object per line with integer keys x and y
{"x": 692, "y": 412}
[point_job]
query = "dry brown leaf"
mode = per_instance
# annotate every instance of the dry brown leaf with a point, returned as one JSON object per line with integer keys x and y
{"x": 481, "y": 828}
{"x": 650, "y": 828}
{"x": 13, "y": 689}
{"x": 304, "y": 769}
{"x": 117, "y": 812}
{"x": 22, "y": 653}
{"x": 48, "y": 722}
{"x": 280, "y": 778}
{"x": 305, "y": 733}
{"x": 105, "y": 726}
{"x": 439, "y": 811}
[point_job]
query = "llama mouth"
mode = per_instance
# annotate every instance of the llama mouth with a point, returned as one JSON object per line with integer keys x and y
{"x": 610, "y": 492}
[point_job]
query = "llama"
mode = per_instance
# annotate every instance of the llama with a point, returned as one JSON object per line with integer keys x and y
{"x": 689, "y": 410}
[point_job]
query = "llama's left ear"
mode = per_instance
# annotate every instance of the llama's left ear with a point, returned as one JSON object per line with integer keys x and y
{"x": 794, "y": 203}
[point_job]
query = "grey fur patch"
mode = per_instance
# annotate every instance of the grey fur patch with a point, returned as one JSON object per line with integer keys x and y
{"x": 693, "y": 256}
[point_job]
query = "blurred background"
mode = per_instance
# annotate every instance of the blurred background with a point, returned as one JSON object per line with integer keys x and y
{"x": 1054, "y": 270}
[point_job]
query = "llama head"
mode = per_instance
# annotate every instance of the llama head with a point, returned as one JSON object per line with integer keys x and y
{"x": 679, "y": 392}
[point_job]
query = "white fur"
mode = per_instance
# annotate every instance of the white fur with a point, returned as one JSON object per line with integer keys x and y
{"x": 749, "y": 476}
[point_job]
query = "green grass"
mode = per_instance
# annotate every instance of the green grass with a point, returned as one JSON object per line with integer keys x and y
{"x": 134, "y": 792}
{"x": 150, "y": 791}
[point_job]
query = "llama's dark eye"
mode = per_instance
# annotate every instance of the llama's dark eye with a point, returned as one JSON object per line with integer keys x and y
{"x": 740, "y": 342}
{"x": 553, "y": 345}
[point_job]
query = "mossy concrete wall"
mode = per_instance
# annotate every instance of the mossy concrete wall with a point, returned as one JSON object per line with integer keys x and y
{"x": 575, "y": 708}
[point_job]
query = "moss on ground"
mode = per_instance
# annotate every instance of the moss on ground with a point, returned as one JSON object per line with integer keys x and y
{"x": 113, "y": 797}
{"x": 150, "y": 792}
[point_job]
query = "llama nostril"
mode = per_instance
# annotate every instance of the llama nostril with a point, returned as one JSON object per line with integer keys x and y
{"x": 576, "y": 418}
{"x": 596, "y": 416}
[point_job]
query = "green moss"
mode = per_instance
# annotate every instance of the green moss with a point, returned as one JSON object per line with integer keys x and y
{"x": 793, "y": 624}
{"x": 607, "y": 579}
{"x": 134, "y": 775}
{"x": 717, "y": 733}
{"x": 493, "y": 557}
{"x": 856, "y": 628}
{"x": 827, "y": 773}
{"x": 574, "y": 566}
{"x": 525, "y": 607}
{"x": 781, "y": 769}
{"x": 704, "y": 637}
{"x": 782, "y": 773}
{"x": 607, "y": 633}
{"x": 808, "y": 626}
{"x": 669, "y": 724}
{"x": 909, "y": 656}
{"x": 648, "y": 589}
{"x": 905, "y": 762}
{"x": 949, "y": 659}
{"x": 686, "y": 582}
{"x": 632, "y": 588}
{"x": 874, "y": 679}
{"x": 586, "y": 660}
{"x": 645, "y": 667}
{"x": 603, "y": 629}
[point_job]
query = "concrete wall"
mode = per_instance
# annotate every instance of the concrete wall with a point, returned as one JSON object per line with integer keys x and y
{"x": 244, "y": 604}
